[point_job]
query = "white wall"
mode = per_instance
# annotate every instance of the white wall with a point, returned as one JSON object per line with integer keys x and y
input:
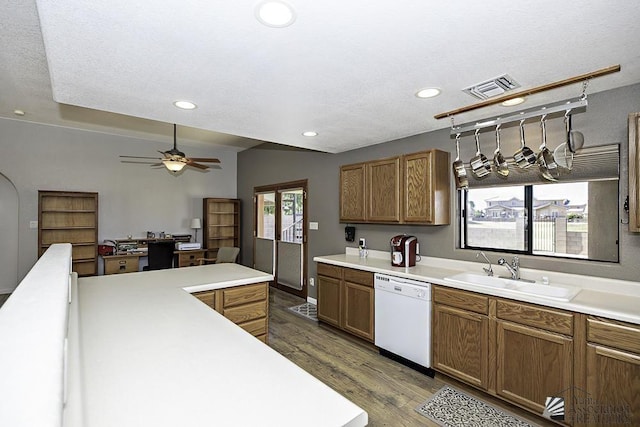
{"x": 8, "y": 235}
{"x": 133, "y": 198}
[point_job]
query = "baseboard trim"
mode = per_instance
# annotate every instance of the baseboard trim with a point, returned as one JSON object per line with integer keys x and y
{"x": 312, "y": 300}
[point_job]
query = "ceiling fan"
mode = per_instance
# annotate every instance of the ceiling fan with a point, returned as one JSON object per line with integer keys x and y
{"x": 175, "y": 160}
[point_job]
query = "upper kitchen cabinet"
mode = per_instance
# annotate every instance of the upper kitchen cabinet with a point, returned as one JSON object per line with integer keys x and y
{"x": 412, "y": 189}
{"x": 634, "y": 172}
{"x": 70, "y": 217}
{"x": 352, "y": 192}
{"x": 426, "y": 187}
{"x": 383, "y": 190}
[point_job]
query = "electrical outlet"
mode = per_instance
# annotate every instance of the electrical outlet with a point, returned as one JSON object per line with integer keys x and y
{"x": 361, "y": 242}
{"x": 33, "y": 224}
{"x": 312, "y": 281}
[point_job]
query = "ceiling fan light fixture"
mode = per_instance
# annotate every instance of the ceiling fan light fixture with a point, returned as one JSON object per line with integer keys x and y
{"x": 174, "y": 165}
{"x": 185, "y": 105}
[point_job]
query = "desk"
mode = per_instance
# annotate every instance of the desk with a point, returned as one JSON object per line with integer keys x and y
{"x": 188, "y": 258}
{"x": 130, "y": 262}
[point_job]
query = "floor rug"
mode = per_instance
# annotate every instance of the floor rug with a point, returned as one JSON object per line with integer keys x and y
{"x": 449, "y": 407}
{"x": 306, "y": 310}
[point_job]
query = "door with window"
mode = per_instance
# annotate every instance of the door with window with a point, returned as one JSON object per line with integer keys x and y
{"x": 280, "y": 234}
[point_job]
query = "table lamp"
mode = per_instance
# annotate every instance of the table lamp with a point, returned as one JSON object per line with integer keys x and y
{"x": 196, "y": 224}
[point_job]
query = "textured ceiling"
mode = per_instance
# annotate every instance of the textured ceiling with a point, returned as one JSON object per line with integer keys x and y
{"x": 346, "y": 69}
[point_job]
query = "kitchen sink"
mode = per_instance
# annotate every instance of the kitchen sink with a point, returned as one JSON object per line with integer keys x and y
{"x": 557, "y": 292}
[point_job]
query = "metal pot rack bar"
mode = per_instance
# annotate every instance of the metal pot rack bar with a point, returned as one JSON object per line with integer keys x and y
{"x": 557, "y": 109}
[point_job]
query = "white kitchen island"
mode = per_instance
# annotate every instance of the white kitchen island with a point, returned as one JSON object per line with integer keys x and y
{"x": 147, "y": 353}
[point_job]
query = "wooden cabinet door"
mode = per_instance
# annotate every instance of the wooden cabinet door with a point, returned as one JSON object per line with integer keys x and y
{"x": 383, "y": 190}
{"x": 613, "y": 388}
{"x": 329, "y": 300}
{"x": 352, "y": 193}
{"x": 426, "y": 187}
{"x": 532, "y": 365}
{"x": 358, "y": 306}
{"x": 634, "y": 172}
{"x": 461, "y": 344}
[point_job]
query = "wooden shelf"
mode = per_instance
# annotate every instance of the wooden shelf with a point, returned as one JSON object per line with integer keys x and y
{"x": 221, "y": 216}
{"x": 70, "y": 217}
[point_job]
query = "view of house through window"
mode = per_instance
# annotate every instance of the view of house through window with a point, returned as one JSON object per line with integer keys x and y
{"x": 546, "y": 219}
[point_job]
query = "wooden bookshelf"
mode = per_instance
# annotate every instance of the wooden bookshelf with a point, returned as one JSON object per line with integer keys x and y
{"x": 221, "y": 226}
{"x": 70, "y": 217}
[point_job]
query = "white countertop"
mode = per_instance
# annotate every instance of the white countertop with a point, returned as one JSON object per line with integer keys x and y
{"x": 614, "y": 299}
{"x": 153, "y": 355}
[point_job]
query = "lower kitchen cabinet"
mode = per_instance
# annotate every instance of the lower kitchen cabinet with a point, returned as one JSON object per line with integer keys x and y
{"x": 607, "y": 388}
{"x": 532, "y": 364}
{"x": 460, "y": 340}
{"x": 460, "y": 344}
{"x": 329, "y": 300}
{"x": 247, "y": 306}
{"x": 346, "y": 299}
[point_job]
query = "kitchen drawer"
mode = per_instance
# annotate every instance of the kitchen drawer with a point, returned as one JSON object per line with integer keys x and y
{"x": 538, "y": 317}
{"x": 255, "y": 327}
{"x": 358, "y": 276}
{"x": 207, "y": 297}
{"x": 329, "y": 270}
{"x": 624, "y": 336}
{"x": 461, "y": 299}
{"x": 247, "y": 312}
{"x": 244, "y": 294}
{"x": 189, "y": 258}
{"x": 262, "y": 338}
{"x": 121, "y": 264}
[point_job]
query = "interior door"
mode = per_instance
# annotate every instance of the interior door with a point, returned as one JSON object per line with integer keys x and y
{"x": 280, "y": 234}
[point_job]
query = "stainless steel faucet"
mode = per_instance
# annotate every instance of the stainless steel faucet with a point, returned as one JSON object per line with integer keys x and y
{"x": 514, "y": 268}
{"x": 489, "y": 270}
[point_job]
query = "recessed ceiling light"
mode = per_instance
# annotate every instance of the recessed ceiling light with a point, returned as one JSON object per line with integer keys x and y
{"x": 513, "y": 101}
{"x": 275, "y": 14}
{"x": 310, "y": 133}
{"x": 185, "y": 105}
{"x": 18, "y": 112}
{"x": 428, "y": 92}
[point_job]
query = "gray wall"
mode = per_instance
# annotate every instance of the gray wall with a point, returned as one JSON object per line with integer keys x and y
{"x": 133, "y": 198}
{"x": 605, "y": 122}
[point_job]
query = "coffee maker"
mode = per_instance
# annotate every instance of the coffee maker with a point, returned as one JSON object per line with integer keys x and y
{"x": 403, "y": 250}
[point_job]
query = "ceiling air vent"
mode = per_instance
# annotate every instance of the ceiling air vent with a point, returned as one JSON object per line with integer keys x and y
{"x": 494, "y": 87}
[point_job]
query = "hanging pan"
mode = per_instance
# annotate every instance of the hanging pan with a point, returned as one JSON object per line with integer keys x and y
{"x": 575, "y": 139}
{"x": 525, "y": 156}
{"x": 546, "y": 163}
{"x": 563, "y": 154}
{"x": 480, "y": 165}
{"x": 499, "y": 163}
{"x": 459, "y": 171}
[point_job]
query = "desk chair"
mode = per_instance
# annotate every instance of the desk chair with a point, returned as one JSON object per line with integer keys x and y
{"x": 225, "y": 254}
{"x": 160, "y": 255}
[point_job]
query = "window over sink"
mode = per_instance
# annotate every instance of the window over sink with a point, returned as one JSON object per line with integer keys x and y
{"x": 567, "y": 220}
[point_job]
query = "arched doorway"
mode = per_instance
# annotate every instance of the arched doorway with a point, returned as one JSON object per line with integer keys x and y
{"x": 8, "y": 235}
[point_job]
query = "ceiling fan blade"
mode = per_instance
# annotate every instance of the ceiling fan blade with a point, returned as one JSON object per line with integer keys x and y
{"x": 204, "y": 159}
{"x": 197, "y": 165}
{"x": 140, "y": 157}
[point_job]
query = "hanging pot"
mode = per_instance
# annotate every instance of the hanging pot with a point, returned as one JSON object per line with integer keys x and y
{"x": 480, "y": 165}
{"x": 546, "y": 163}
{"x": 499, "y": 163}
{"x": 563, "y": 154}
{"x": 575, "y": 139}
{"x": 524, "y": 157}
{"x": 459, "y": 171}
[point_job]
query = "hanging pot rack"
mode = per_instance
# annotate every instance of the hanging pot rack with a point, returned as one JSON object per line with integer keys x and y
{"x": 557, "y": 109}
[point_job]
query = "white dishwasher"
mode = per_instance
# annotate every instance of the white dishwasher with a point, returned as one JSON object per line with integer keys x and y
{"x": 403, "y": 320}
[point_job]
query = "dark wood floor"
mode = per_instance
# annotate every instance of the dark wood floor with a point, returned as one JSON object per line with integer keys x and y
{"x": 387, "y": 390}
{"x": 3, "y": 298}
